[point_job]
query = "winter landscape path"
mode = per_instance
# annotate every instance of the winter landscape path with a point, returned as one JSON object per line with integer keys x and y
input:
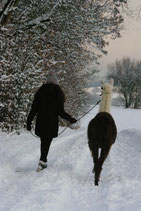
{"x": 67, "y": 184}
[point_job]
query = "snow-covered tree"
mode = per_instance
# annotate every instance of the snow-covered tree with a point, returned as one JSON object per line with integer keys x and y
{"x": 127, "y": 76}
{"x": 65, "y": 35}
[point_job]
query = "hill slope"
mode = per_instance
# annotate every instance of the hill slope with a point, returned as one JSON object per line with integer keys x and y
{"x": 67, "y": 183}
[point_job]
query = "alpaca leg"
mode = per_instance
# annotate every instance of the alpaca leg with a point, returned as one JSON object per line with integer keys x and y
{"x": 103, "y": 156}
{"x": 99, "y": 167}
{"x": 97, "y": 174}
{"x": 95, "y": 158}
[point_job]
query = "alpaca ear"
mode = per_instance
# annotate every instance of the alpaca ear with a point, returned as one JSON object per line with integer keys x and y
{"x": 112, "y": 81}
{"x": 102, "y": 83}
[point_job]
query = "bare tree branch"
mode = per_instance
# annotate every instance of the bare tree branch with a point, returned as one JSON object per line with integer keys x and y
{"x": 6, "y": 11}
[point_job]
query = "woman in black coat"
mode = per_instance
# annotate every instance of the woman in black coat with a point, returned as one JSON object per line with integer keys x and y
{"x": 47, "y": 105}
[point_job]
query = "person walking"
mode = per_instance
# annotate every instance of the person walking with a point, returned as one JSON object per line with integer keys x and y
{"x": 47, "y": 106}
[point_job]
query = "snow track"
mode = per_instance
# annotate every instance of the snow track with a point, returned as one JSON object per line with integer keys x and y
{"x": 68, "y": 184}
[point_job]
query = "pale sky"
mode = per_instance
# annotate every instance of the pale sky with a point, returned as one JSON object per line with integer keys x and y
{"x": 129, "y": 45}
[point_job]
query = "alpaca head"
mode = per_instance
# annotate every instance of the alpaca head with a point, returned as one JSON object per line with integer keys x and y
{"x": 107, "y": 87}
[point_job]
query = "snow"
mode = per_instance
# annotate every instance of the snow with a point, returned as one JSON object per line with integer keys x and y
{"x": 67, "y": 184}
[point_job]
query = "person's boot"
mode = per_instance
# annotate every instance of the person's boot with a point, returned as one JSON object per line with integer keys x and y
{"x": 42, "y": 165}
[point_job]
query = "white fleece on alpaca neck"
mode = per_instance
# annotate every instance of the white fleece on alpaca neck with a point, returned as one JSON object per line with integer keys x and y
{"x": 105, "y": 104}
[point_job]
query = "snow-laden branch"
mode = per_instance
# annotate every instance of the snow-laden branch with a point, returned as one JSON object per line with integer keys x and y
{"x": 44, "y": 17}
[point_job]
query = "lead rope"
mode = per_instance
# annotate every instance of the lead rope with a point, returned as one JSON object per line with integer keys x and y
{"x": 80, "y": 117}
{"x": 70, "y": 123}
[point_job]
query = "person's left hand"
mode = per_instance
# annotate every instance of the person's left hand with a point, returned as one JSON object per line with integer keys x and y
{"x": 73, "y": 120}
{"x": 28, "y": 127}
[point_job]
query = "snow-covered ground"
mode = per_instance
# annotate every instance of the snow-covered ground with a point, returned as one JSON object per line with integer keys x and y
{"x": 67, "y": 184}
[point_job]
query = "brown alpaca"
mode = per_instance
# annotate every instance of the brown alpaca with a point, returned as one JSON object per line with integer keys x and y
{"x": 102, "y": 132}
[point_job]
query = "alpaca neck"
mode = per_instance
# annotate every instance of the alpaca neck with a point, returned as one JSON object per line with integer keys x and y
{"x": 105, "y": 104}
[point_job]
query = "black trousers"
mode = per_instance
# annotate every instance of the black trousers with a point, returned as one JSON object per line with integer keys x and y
{"x": 44, "y": 148}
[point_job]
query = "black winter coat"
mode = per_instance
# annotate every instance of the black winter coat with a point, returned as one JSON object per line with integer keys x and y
{"x": 48, "y": 104}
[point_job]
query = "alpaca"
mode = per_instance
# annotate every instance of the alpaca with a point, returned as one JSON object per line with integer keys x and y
{"x": 102, "y": 131}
